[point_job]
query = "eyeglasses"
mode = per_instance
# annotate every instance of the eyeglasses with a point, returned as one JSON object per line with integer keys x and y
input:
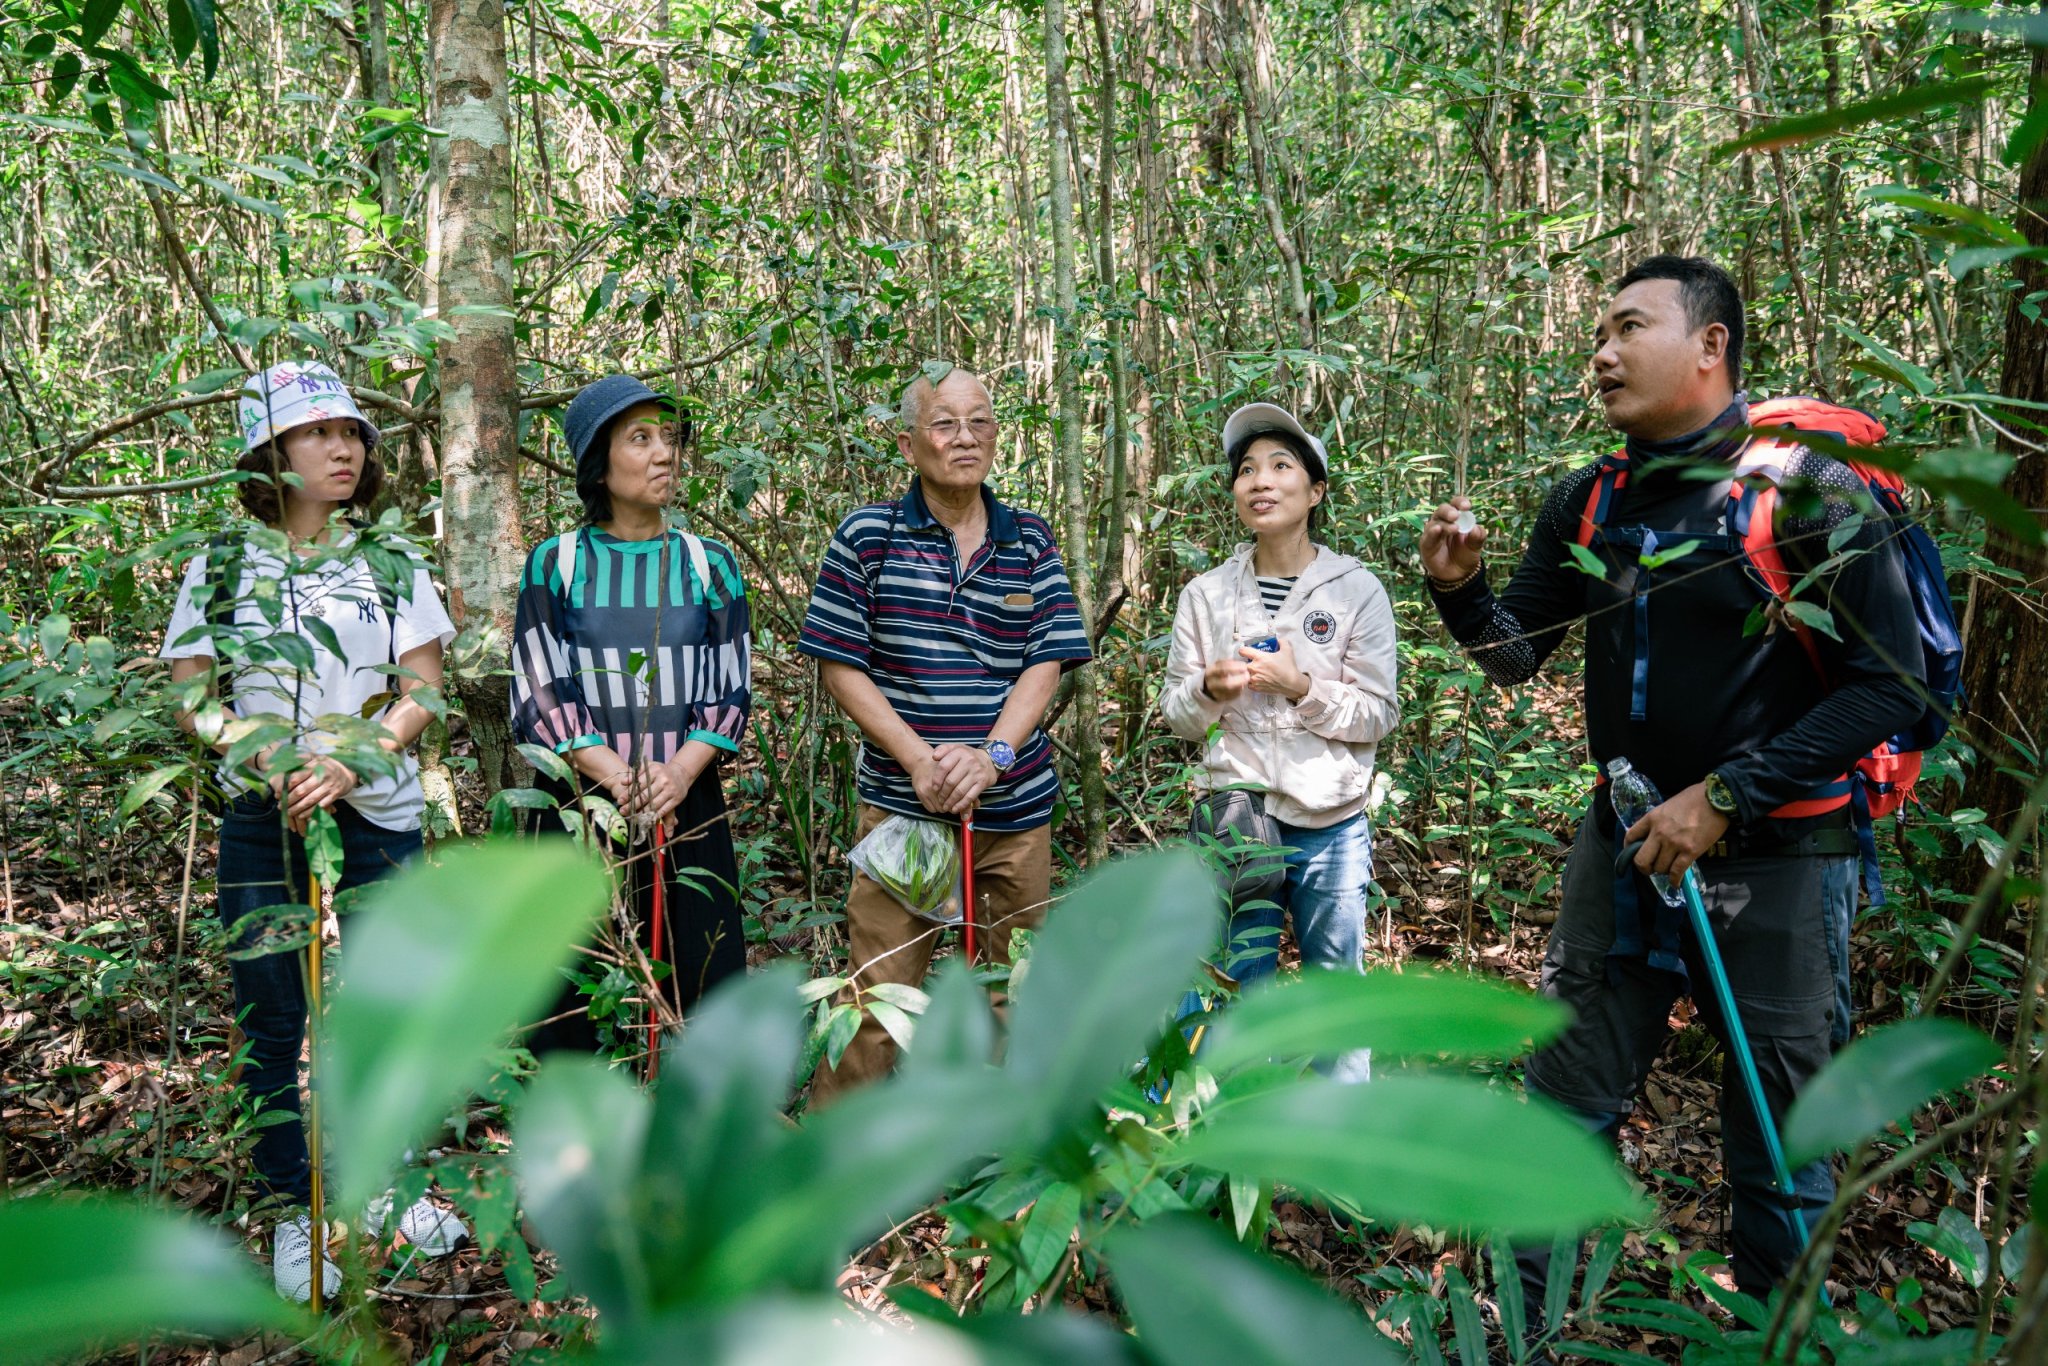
{"x": 946, "y": 428}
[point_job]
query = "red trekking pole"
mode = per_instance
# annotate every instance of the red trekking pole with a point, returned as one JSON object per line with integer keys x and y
{"x": 654, "y": 1007}
{"x": 967, "y": 885}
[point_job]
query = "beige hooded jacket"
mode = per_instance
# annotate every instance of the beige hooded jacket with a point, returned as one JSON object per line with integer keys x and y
{"x": 1313, "y": 757}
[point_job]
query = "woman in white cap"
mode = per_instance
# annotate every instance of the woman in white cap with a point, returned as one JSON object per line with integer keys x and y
{"x": 1283, "y": 668}
{"x": 280, "y": 646}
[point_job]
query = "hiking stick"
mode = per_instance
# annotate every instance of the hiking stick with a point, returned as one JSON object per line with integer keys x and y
{"x": 1745, "y": 1061}
{"x": 654, "y": 959}
{"x": 967, "y": 885}
{"x": 319, "y": 1201}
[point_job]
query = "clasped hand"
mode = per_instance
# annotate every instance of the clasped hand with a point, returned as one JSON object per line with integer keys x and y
{"x": 650, "y": 792}
{"x": 951, "y": 778}
{"x": 1273, "y": 672}
{"x": 318, "y": 782}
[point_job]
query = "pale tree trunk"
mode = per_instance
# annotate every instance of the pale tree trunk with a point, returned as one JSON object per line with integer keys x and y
{"x": 1110, "y": 573}
{"x": 1250, "y": 44}
{"x": 1087, "y": 724}
{"x": 377, "y": 78}
{"x": 479, "y": 452}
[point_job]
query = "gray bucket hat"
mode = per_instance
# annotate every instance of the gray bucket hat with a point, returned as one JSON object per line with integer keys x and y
{"x": 597, "y": 404}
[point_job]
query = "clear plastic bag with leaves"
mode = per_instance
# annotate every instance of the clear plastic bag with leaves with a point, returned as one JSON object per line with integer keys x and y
{"x": 917, "y": 862}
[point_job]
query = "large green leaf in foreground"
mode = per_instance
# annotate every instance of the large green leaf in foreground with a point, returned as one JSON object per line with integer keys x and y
{"x": 1412, "y": 1014}
{"x": 1883, "y": 1078}
{"x": 76, "y": 1274}
{"x": 440, "y": 963}
{"x": 1441, "y": 1151}
{"x": 1196, "y": 1295}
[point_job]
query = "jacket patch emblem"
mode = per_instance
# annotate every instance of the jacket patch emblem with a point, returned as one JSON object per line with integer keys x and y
{"x": 1319, "y": 627}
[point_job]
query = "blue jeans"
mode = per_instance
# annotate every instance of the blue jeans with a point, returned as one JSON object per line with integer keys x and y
{"x": 270, "y": 989}
{"x": 1328, "y": 873}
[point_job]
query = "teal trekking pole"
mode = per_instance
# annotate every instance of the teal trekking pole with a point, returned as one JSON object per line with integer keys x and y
{"x": 1745, "y": 1061}
{"x": 1633, "y": 795}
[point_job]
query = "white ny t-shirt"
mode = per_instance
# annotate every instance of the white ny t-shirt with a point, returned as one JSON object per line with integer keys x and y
{"x": 343, "y": 594}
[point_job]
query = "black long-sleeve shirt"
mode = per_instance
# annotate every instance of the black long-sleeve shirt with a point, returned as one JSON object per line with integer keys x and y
{"x": 1751, "y": 705}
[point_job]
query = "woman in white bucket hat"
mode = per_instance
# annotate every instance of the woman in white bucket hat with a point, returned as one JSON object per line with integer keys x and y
{"x": 282, "y": 642}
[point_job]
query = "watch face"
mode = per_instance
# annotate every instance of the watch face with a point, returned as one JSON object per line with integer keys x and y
{"x": 1001, "y": 754}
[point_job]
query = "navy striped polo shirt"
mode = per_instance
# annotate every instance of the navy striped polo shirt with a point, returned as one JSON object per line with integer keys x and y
{"x": 945, "y": 645}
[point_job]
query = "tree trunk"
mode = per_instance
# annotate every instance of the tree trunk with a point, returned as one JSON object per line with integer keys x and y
{"x": 1110, "y": 574}
{"x": 482, "y": 544}
{"x": 1250, "y": 43}
{"x": 2005, "y": 657}
{"x": 377, "y": 77}
{"x": 1073, "y": 475}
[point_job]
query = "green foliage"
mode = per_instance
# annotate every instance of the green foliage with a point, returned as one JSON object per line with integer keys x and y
{"x": 1195, "y": 1294}
{"x": 440, "y": 963}
{"x": 1415, "y": 1014}
{"x": 1880, "y": 1079}
{"x": 76, "y": 1274}
{"x": 1422, "y": 1149}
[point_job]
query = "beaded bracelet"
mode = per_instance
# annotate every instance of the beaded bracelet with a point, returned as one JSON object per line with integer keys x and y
{"x": 1441, "y": 587}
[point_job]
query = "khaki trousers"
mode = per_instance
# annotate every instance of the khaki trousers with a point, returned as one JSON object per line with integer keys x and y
{"x": 1012, "y": 883}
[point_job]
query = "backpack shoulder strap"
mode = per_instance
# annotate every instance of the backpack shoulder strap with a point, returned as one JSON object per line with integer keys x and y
{"x": 700, "y": 565}
{"x": 223, "y": 574}
{"x": 565, "y": 558}
{"x": 1753, "y": 524}
{"x": 1611, "y": 479}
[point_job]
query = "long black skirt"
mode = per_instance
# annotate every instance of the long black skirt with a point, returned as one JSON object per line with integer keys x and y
{"x": 703, "y": 939}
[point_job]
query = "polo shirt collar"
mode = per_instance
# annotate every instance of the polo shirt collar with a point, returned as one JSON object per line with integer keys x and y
{"x": 917, "y": 515}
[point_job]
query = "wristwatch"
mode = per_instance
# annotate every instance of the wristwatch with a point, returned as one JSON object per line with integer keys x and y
{"x": 1000, "y": 754}
{"x": 1719, "y": 795}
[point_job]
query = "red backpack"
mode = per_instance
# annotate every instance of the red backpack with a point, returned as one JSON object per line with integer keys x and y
{"x": 1882, "y": 780}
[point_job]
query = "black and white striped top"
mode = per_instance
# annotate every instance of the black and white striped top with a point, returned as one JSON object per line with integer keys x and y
{"x": 1274, "y": 591}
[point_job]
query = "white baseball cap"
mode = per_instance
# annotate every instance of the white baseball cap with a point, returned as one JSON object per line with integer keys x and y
{"x": 1254, "y": 418}
{"x": 291, "y": 394}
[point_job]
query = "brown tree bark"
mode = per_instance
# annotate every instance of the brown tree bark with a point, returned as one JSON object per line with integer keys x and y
{"x": 481, "y": 549}
{"x": 2005, "y": 657}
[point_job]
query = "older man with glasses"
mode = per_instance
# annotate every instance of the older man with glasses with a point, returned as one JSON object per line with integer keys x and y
{"x": 942, "y": 622}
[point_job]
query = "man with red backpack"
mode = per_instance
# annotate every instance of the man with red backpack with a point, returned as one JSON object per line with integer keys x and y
{"x": 1750, "y": 636}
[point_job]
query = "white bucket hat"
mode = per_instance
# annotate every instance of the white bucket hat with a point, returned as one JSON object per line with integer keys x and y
{"x": 1254, "y": 418}
{"x": 292, "y": 394}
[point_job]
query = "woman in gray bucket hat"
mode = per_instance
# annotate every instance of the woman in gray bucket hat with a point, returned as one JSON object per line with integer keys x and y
{"x": 630, "y": 661}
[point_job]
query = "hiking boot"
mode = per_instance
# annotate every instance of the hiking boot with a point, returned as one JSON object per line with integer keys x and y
{"x": 291, "y": 1262}
{"x": 435, "y": 1232}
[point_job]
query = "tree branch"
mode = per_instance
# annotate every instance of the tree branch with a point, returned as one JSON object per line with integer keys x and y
{"x": 87, "y": 493}
{"x": 55, "y": 465}
{"x": 552, "y": 398}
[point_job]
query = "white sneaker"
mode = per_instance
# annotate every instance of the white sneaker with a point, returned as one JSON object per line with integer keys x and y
{"x": 291, "y": 1262}
{"x": 434, "y": 1231}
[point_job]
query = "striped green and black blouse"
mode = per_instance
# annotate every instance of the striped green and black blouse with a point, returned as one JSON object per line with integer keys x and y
{"x": 588, "y": 669}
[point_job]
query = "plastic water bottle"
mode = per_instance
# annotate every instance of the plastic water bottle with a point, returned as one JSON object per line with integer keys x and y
{"x": 1634, "y": 795}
